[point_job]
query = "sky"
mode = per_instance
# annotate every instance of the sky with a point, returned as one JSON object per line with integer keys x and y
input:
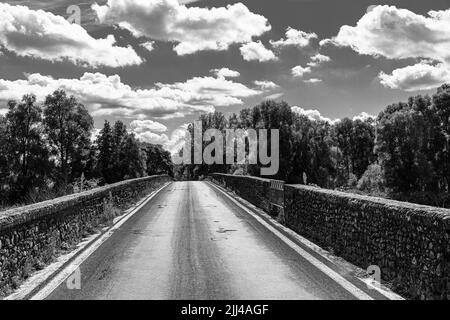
{"x": 158, "y": 64}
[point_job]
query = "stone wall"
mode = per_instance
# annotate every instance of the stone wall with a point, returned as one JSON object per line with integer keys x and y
{"x": 264, "y": 193}
{"x": 32, "y": 236}
{"x": 410, "y": 243}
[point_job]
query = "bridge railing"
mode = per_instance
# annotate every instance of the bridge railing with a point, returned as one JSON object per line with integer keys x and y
{"x": 410, "y": 243}
{"x": 33, "y": 235}
{"x": 264, "y": 193}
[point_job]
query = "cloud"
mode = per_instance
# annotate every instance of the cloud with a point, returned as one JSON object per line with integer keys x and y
{"x": 172, "y": 144}
{"x": 274, "y": 96}
{"x": 266, "y": 85}
{"x": 399, "y": 34}
{"x": 256, "y": 51}
{"x": 149, "y": 45}
{"x": 43, "y": 35}
{"x": 313, "y": 80}
{"x": 225, "y": 73}
{"x": 151, "y": 137}
{"x": 299, "y": 71}
{"x": 421, "y": 76}
{"x": 318, "y": 59}
{"x": 192, "y": 28}
{"x": 363, "y": 116}
{"x": 108, "y": 95}
{"x": 297, "y": 38}
{"x": 177, "y": 139}
{"x": 139, "y": 126}
{"x": 313, "y": 115}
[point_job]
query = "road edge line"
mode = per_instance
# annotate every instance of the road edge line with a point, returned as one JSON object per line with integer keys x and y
{"x": 340, "y": 280}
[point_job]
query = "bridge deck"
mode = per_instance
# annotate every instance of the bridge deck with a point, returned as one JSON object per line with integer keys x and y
{"x": 191, "y": 242}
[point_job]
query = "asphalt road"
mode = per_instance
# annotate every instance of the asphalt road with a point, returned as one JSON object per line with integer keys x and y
{"x": 191, "y": 242}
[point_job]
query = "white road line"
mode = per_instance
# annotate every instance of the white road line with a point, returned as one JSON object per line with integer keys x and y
{"x": 70, "y": 269}
{"x": 351, "y": 288}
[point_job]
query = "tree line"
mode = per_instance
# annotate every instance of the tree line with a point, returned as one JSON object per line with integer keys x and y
{"x": 46, "y": 150}
{"x": 403, "y": 154}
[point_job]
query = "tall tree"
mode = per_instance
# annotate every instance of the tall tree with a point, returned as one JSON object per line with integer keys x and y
{"x": 158, "y": 160}
{"x": 130, "y": 163}
{"x": 68, "y": 126}
{"x": 119, "y": 138}
{"x": 403, "y": 146}
{"x": 4, "y": 168}
{"x": 105, "y": 146}
{"x": 362, "y": 142}
{"x": 343, "y": 131}
{"x": 28, "y": 155}
{"x": 441, "y": 101}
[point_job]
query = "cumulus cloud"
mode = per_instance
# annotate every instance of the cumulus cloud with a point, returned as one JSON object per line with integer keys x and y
{"x": 274, "y": 96}
{"x": 266, "y": 85}
{"x": 151, "y": 137}
{"x": 177, "y": 139}
{"x": 313, "y": 80}
{"x": 421, "y": 76}
{"x": 225, "y": 73}
{"x": 139, "y": 126}
{"x": 149, "y": 45}
{"x": 313, "y": 115}
{"x": 363, "y": 116}
{"x": 108, "y": 95}
{"x": 192, "y": 28}
{"x": 401, "y": 34}
{"x": 299, "y": 71}
{"x": 296, "y": 38}
{"x": 43, "y": 35}
{"x": 257, "y": 51}
{"x": 318, "y": 59}
{"x": 172, "y": 143}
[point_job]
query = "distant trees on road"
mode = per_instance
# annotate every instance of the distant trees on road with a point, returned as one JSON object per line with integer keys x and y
{"x": 404, "y": 153}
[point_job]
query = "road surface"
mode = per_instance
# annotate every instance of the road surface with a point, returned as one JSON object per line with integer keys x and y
{"x": 192, "y": 242}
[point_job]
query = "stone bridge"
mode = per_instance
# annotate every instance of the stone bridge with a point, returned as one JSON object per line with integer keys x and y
{"x": 231, "y": 237}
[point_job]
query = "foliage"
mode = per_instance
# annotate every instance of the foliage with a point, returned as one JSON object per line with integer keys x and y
{"x": 406, "y": 150}
{"x": 67, "y": 125}
{"x": 372, "y": 181}
{"x": 157, "y": 160}
{"x": 46, "y": 151}
{"x": 26, "y": 152}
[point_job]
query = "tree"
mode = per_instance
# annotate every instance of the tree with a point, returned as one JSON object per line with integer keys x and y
{"x": 4, "y": 168}
{"x": 403, "y": 146}
{"x": 26, "y": 151}
{"x": 441, "y": 102}
{"x": 362, "y": 143}
{"x": 343, "y": 135}
{"x": 119, "y": 155}
{"x": 105, "y": 146}
{"x": 68, "y": 126}
{"x": 129, "y": 163}
{"x": 158, "y": 160}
